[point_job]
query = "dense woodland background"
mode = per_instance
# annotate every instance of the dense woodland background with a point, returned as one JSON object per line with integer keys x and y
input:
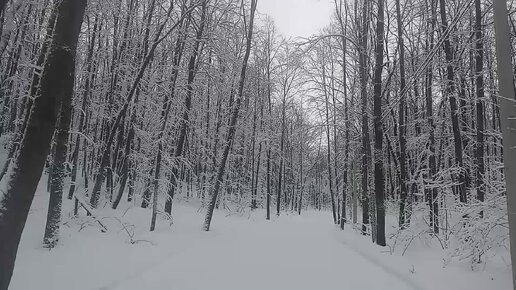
{"x": 389, "y": 111}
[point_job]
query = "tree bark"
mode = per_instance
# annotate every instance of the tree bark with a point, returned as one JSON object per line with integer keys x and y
{"x": 366, "y": 146}
{"x": 432, "y": 198}
{"x": 53, "y": 223}
{"x": 185, "y": 120}
{"x": 402, "y": 126}
{"x": 507, "y": 117}
{"x": 479, "y": 66}
{"x": 450, "y": 91}
{"x": 56, "y": 84}
{"x": 379, "y": 180}
{"x": 233, "y": 122}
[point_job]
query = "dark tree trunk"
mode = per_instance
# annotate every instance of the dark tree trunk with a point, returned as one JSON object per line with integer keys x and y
{"x": 125, "y": 168}
{"x": 184, "y": 122}
{"x": 104, "y": 159}
{"x": 479, "y": 65}
{"x": 56, "y": 84}
{"x": 432, "y": 198}
{"x": 328, "y": 152}
{"x": 450, "y": 91}
{"x": 402, "y": 127}
{"x": 233, "y": 122}
{"x": 58, "y": 172}
{"x": 282, "y": 144}
{"x": 379, "y": 180}
{"x": 366, "y": 146}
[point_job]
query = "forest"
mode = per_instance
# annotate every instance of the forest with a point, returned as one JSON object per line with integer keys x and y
{"x": 389, "y": 123}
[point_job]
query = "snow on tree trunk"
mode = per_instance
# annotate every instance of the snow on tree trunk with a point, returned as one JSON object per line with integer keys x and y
{"x": 55, "y": 85}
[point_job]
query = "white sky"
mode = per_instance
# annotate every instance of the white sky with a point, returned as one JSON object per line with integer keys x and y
{"x": 297, "y": 18}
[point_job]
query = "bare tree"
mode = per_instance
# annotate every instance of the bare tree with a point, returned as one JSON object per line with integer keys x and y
{"x": 56, "y": 85}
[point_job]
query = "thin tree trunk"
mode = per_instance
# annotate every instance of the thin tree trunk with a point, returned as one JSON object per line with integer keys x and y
{"x": 185, "y": 120}
{"x": 104, "y": 159}
{"x": 402, "y": 127}
{"x": 233, "y": 122}
{"x": 379, "y": 180}
{"x": 479, "y": 66}
{"x": 366, "y": 146}
{"x": 328, "y": 153}
{"x": 450, "y": 91}
{"x": 432, "y": 200}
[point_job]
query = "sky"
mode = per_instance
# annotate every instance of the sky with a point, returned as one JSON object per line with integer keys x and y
{"x": 297, "y": 18}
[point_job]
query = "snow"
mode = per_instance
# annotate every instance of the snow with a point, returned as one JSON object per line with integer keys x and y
{"x": 240, "y": 252}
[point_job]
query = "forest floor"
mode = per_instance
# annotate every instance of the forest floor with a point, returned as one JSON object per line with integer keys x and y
{"x": 241, "y": 251}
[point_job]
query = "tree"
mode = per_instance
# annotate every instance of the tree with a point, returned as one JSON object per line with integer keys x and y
{"x": 402, "y": 127}
{"x": 449, "y": 92}
{"x": 378, "y": 130}
{"x": 507, "y": 96}
{"x": 479, "y": 66}
{"x": 366, "y": 145}
{"x": 56, "y": 84}
{"x": 233, "y": 122}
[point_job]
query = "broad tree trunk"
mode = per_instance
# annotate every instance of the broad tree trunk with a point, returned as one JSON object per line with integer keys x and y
{"x": 55, "y": 85}
{"x": 53, "y": 223}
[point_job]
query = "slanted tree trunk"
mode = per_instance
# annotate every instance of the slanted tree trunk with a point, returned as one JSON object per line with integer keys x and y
{"x": 82, "y": 112}
{"x": 233, "y": 122}
{"x": 104, "y": 159}
{"x": 450, "y": 91}
{"x": 432, "y": 198}
{"x": 55, "y": 85}
{"x": 185, "y": 120}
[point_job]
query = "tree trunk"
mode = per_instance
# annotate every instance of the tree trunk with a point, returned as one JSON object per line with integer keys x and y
{"x": 379, "y": 180}
{"x": 53, "y": 223}
{"x": 366, "y": 146}
{"x": 233, "y": 122}
{"x": 185, "y": 120}
{"x": 328, "y": 153}
{"x": 450, "y": 91}
{"x": 507, "y": 113}
{"x": 432, "y": 199}
{"x": 104, "y": 159}
{"x": 402, "y": 127}
{"x": 55, "y": 85}
{"x": 479, "y": 66}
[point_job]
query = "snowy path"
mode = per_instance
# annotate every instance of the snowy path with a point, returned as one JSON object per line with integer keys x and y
{"x": 239, "y": 253}
{"x": 291, "y": 253}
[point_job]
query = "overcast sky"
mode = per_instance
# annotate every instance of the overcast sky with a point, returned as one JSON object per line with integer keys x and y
{"x": 298, "y": 18}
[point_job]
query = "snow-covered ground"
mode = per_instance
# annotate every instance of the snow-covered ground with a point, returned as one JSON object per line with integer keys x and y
{"x": 240, "y": 252}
